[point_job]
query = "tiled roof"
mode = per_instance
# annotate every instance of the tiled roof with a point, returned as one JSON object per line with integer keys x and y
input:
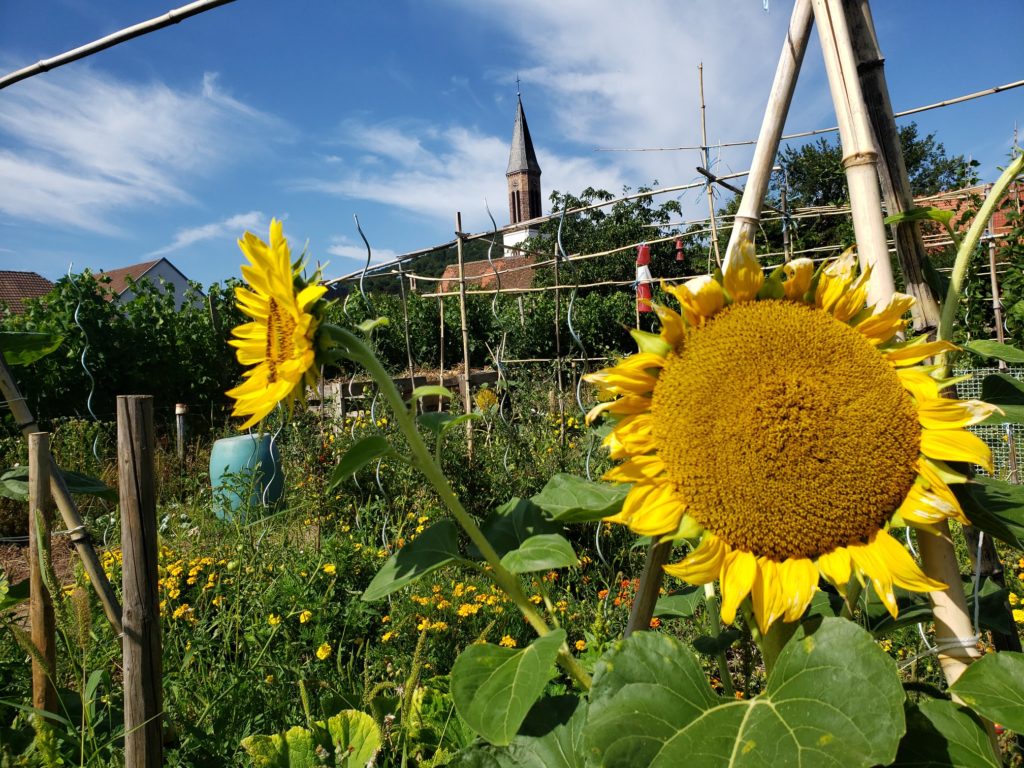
{"x": 15, "y": 287}
{"x": 515, "y": 272}
{"x": 119, "y": 277}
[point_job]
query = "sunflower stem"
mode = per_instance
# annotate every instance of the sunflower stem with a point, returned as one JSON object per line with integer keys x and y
{"x": 423, "y": 458}
{"x": 968, "y": 245}
{"x": 774, "y": 640}
{"x": 715, "y": 622}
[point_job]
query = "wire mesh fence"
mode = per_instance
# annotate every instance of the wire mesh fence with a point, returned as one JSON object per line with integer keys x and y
{"x": 1005, "y": 440}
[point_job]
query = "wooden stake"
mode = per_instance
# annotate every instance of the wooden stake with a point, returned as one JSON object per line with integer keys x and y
{"x": 749, "y": 213}
{"x": 707, "y": 164}
{"x": 40, "y": 512}
{"x": 892, "y": 170}
{"x": 180, "y": 410}
{"x": 440, "y": 373}
{"x": 65, "y": 504}
{"x": 650, "y": 587}
{"x": 143, "y": 695}
{"x": 466, "y": 398}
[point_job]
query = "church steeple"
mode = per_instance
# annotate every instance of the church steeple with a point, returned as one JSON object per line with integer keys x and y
{"x": 523, "y": 172}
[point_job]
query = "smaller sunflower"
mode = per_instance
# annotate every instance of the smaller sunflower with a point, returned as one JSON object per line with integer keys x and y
{"x": 278, "y": 341}
{"x": 779, "y": 422}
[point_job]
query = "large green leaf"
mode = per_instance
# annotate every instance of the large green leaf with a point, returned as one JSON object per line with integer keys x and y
{"x": 494, "y": 688}
{"x": 355, "y": 736}
{"x": 644, "y": 690}
{"x": 511, "y": 524}
{"x": 572, "y": 499}
{"x": 994, "y": 506}
{"x": 832, "y": 699}
{"x": 681, "y": 604}
{"x": 543, "y": 552}
{"x": 430, "y": 390}
{"x": 1008, "y": 393}
{"x": 912, "y": 609}
{"x": 993, "y": 350}
{"x": 993, "y": 606}
{"x": 24, "y": 347}
{"x": 358, "y": 456}
{"x": 993, "y": 686}
{"x": 12, "y": 594}
{"x": 14, "y": 485}
{"x": 434, "y": 548}
{"x": 941, "y": 734}
{"x": 921, "y": 214}
{"x": 550, "y": 737}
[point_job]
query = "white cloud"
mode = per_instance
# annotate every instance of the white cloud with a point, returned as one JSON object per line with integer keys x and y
{"x": 347, "y": 248}
{"x": 232, "y": 226}
{"x": 433, "y": 171}
{"x": 83, "y": 145}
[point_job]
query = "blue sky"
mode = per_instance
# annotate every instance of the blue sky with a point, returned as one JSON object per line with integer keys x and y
{"x": 312, "y": 111}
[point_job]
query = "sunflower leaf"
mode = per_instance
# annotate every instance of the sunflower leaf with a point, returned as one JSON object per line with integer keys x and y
{"x": 543, "y": 552}
{"x": 651, "y": 705}
{"x": 680, "y": 605}
{"x": 494, "y": 688}
{"x": 14, "y": 484}
{"x": 358, "y": 456}
{"x": 551, "y": 736}
{"x": 1005, "y": 391}
{"x": 367, "y": 326}
{"x": 941, "y": 734}
{"x": 988, "y": 349}
{"x": 25, "y": 347}
{"x": 921, "y": 214}
{"x": 435, "y": 548}
{"x": 994, "y": 506}
{"x": 572, "y": 499}
{"x": 430, "y": 390}
{"x": 511, "y": 524}
{"x": 993, "y": 686}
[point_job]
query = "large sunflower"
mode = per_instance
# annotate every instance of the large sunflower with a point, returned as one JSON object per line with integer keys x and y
{"x": 779, "y": 422}
{"x": 279, "y": 340}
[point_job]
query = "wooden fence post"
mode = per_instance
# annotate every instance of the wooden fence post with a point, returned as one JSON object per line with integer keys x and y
{"x": 143, "y": 695}
{"x": 180, "y": 411}
{"x": 466, "y": 397}
{"x": 44, "y": 694}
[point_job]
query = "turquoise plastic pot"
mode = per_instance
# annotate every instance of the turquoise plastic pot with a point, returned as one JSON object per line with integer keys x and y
{"x": 246, "y": 475}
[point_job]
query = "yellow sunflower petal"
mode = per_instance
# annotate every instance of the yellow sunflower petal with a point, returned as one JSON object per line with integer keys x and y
{"x": 919, "y": 383}
{"x": 637, "y": 469}
{"x": 943, "y": 413}
{"x": 798, "y": 278}
{"x": 914, "y": 353}
{"x": 738, "y": 573}
{"x": 699, "y": 298}
{"x": 923, "y": 507}
{"x": 956, "y": 445}
{"x": 620, "y": 406}
{"x": 837, "y": 568}
{"x": 672, "y": 327}
{"x": 799, "y": 580}
{"x": 742, "y": 276}
{"x": 766, "y": 595}
{"x": 704, "y": 564}
{"x": 905, "y": 572}
{"x": 886, "y": 322}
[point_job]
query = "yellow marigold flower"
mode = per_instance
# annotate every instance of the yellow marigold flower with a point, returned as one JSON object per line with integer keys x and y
{"x": 323, "y": 651}
{"x": 581, "y": 645}
{"x": 273, "y": 619}
{"x": 507, "y": 641}
{"x": 1018, "y": 615}
{"x": 330, "y": 569}
{"x": 278, "y": 341}
{"x": 780, "y": 424}
{"x": 387, "y": 636}
{"x": 1014, "y": 599}
{"x": 269, "y": 679}
{"x": 305, "y": 616}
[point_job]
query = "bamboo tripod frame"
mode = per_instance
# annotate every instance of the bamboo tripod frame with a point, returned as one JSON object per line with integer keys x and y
{"x": 845, "y": 57}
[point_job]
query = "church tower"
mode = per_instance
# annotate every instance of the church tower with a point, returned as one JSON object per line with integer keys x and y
{"x": 523, "y": 176}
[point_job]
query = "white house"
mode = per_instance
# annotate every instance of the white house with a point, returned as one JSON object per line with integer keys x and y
{"x": 159, "y": 272}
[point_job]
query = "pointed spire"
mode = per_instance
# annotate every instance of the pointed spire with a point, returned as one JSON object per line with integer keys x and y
{"x": 522, "y": 157}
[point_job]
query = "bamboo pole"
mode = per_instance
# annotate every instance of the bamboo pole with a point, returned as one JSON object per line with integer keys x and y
{"x": 707, "y": 164}
{"x": 143, "y": 695}
{"x": 892, "y": 169}
{"x": 40, "y": 513}
{"x": 65, "y": 504}
{"x": 779, "y": 100}
{"x": 467, "y": 400}
{"x": 145, "y": 27}
{"x": 440, "y": 372}
{"x": 180, "y": 410}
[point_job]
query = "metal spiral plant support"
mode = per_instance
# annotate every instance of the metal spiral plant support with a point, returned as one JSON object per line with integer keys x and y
{"x": 499, "y": 364}
{"x": 562, "y": 256}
